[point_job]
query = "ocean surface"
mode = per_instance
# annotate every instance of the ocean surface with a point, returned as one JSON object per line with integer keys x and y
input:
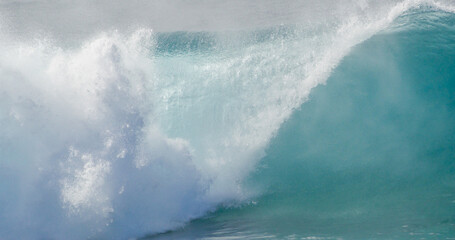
{"x": 227, "y": 120}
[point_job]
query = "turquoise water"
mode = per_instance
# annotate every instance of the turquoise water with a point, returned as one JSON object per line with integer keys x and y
{"x": 370, "y": 155}
{"x": 227, "y": 119}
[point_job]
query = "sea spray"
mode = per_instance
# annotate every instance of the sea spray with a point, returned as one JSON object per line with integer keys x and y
{"x": 117, "y": 137}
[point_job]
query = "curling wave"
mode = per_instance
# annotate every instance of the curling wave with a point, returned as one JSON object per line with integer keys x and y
{"x": 128, "y": 135}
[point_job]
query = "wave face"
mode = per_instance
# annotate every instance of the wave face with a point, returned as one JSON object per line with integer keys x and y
{"x": 368, "y": 156}
{"x": 120, "y": 135}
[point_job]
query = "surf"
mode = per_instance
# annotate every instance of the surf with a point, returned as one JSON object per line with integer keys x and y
{"x": 124, "y": 135}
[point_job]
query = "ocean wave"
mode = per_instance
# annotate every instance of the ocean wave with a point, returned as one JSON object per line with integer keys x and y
{"x": 126, "y": 135}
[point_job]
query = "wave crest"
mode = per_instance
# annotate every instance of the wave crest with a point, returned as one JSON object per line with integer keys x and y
{"x": 112, "y": 140}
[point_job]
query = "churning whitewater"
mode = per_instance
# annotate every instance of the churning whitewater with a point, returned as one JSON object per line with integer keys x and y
{"x": 141, "y": 124}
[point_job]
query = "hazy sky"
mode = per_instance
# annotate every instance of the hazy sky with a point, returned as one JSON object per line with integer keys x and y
{"x": 75, "y": 19}
{"x": 85, "y": 17}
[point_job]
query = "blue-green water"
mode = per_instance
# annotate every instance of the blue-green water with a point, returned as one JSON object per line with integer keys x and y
{"x": 227, "y": 120}
{"x": 370, "y": 155}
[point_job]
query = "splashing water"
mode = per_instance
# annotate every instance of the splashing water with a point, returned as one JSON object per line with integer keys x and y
{"x": 119, "y": 135}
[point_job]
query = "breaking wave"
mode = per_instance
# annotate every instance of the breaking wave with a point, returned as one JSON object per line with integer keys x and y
{"x": 124, "y": 135}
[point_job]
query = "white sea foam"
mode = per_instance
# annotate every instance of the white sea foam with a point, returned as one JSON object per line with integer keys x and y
{"x": 112, "y": 140}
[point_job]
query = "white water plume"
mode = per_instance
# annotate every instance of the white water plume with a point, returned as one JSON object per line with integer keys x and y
{"x": 109, "y": 139}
